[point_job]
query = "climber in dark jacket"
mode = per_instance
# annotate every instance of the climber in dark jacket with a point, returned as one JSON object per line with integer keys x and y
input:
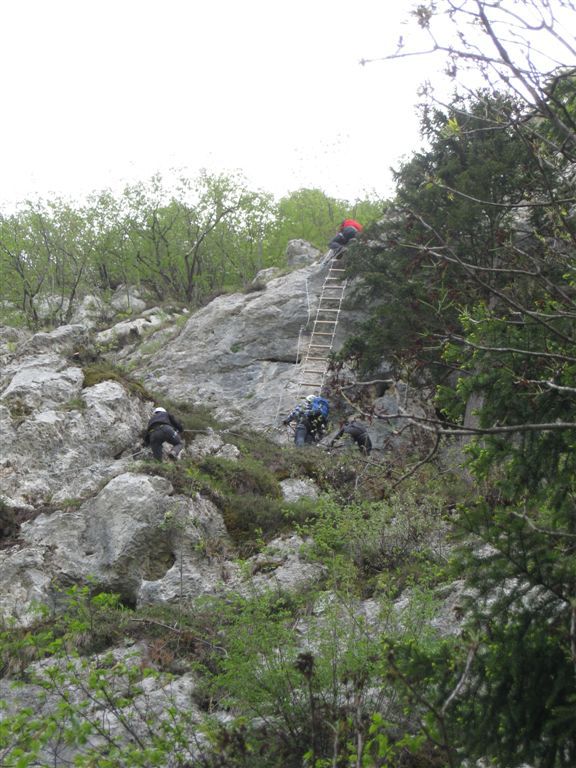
{"x": 163, "y": 428}
{"x": 358, "y": 433}
{"x": 347, "y": 231}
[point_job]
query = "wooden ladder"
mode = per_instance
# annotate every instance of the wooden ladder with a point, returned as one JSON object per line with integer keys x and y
{"x": 317, "y": 358}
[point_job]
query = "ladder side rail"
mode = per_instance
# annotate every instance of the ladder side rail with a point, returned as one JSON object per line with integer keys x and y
{"x": 318, "y": 375}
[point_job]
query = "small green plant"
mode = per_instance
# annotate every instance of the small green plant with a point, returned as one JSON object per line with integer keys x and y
{"x": 104, "y": 371}
{"x": 74, "y": 404}
{"x": 19, "y": 409}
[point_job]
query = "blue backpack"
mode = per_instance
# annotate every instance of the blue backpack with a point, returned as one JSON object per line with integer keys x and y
{"x": 320, "y": 405}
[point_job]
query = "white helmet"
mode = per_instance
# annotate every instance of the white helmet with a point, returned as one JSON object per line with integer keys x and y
{"x": 159, "y": 410}
{"x": 310, "y": 398}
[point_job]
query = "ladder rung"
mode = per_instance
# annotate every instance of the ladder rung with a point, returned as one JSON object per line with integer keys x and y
{"x": 318, "y": 359}
{"x": 332, "y": 322}
{"x": 328, "y": 309}
{"x": 321, "y": 333}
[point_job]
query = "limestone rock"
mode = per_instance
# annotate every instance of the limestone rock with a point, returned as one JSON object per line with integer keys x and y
{"x": 11, "y": 339}
{"x": 152, "y": 700}
{"x": 282, "y": 566}
{"x": 294, "y": 489}
{"x": 265, "y": 275}
{"x": 35, "y": 386}
{"x": 64, "y": 341}
{"x": 134, "y": 538}
{"x": 211, "y": 444}
{"x": 90, "y": 311}
{"x": 127, "y": 299}
{"x": 59, "y": 452}
{"x": 127, "y": 330}
{"x": 300, "y": 253}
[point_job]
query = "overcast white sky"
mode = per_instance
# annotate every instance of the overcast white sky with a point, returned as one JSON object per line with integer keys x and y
{"x": 99, "y": 92}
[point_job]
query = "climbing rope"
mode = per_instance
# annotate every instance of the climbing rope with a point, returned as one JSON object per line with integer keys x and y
{"x": 307, "y": 301}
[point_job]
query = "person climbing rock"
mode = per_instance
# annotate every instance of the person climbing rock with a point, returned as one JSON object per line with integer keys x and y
{"x": 163, "y": 428}
{"x": 347, "y": 232}
{"x": 357, "y": 432}
{"x": 312, "y": 415}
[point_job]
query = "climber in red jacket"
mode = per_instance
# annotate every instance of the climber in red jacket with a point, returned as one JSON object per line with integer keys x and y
{"x": 346, "y": 232}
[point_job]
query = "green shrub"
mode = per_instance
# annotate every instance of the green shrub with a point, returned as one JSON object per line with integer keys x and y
{"x": 246, "y": 476}
{"x": 103, "y": 371}
{"x": 387, "y": 545}
{"x": 251, "y": 519}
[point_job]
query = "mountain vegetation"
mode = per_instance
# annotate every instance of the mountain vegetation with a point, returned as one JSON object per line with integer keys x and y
{"x": 184, "y": 244}
{"x": 469, "y": 273}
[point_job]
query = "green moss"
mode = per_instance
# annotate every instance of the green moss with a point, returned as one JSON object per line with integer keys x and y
{"x": 104, "y": 371}
{"x": 195, "y": 418}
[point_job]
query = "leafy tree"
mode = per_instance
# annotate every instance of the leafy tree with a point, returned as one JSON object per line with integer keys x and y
{"x": 483, "y": 237}
{"x": 225, "y": 226}
{"x": 443, "y": 242}
{"x": 47, "y": 249}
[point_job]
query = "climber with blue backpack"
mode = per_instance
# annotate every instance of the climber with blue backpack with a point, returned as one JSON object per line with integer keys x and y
{"x": 311, "y": 417}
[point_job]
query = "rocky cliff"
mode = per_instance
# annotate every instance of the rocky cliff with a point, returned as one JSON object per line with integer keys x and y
{"x": 82, "y": 505}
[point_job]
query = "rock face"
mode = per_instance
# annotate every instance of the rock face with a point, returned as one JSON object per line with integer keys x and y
{"x": 134, "y": 538}
{"x": 60, "y": 440}
{"x": 239, "y": 354}
{"x": 78, "y": 508}
{"x": 67, "y": 454}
